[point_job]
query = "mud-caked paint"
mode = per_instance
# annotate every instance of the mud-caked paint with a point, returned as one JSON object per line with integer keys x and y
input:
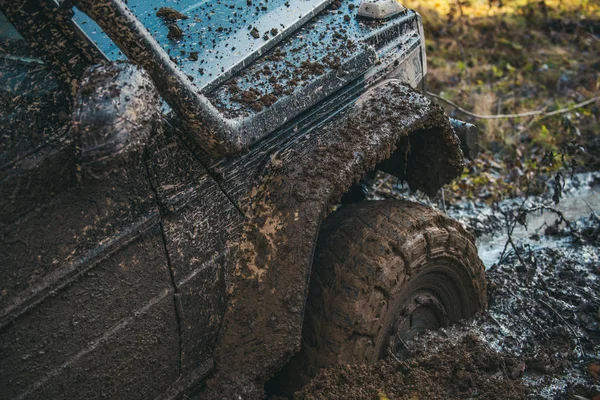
{"x": 263, "y": 322}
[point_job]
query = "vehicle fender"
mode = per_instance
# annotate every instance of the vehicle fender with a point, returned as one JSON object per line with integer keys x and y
{"x": 268, "y": 277}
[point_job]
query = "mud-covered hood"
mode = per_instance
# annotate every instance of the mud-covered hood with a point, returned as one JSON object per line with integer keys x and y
{"x": 221, "y": 37}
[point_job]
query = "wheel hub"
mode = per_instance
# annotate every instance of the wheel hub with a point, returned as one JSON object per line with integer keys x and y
{"x": 422, "y": 311}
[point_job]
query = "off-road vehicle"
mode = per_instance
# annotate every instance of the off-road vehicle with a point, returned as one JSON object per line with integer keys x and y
{"x": 182, "y": 206}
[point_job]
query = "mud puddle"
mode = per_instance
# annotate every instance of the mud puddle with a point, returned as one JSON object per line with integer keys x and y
{"x": 581, "y": 198}
{"x": 540, "y": 338}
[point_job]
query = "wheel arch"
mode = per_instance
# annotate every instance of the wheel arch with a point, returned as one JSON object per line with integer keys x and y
{"x": 268, "y": 275}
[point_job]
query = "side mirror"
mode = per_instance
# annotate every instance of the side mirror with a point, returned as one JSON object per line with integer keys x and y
{"x": 116, "y": 113}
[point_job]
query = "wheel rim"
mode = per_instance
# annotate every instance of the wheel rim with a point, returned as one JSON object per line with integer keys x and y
{"x": 437, "y": 297}
{"x": 423, "y": 311}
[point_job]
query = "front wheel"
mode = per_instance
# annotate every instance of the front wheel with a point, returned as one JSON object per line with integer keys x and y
{"x": 385, "y": 271}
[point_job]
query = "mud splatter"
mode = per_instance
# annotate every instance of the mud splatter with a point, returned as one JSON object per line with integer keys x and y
{"x": 168, "y": 14}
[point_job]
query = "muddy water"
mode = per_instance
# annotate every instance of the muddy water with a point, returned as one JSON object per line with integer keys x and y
{"x": 581, "y": 198}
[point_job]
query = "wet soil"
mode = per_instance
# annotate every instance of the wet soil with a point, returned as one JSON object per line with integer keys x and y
{"x": 540, "y": 337}
{"x": 466, "y": 368}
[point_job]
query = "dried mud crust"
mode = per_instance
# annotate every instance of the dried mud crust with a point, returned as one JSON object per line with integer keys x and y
{"x": 383, "y": 272}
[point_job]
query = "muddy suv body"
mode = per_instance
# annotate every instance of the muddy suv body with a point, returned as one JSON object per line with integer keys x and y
{"x": 159, "y": 216}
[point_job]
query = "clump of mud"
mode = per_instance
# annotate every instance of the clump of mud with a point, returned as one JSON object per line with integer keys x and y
{"x": 452, "y": 369}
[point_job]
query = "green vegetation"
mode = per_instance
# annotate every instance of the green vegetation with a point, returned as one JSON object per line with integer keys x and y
{"x": 512, "y": 56}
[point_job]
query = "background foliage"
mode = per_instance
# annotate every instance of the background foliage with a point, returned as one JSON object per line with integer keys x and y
{"x": 511, "y": 56}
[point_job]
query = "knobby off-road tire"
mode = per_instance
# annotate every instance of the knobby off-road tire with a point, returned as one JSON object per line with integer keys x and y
{"x": 383, "y": 272}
